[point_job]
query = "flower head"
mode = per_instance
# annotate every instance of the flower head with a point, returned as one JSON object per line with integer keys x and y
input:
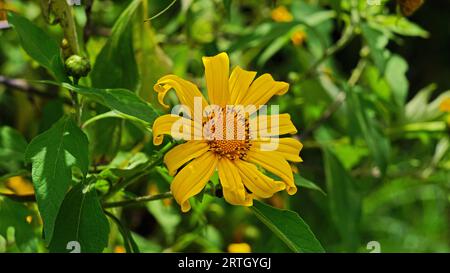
{"x": 227, "y": 135}
{"x": 298, "y": 37}
{"x": 281, "y": 14}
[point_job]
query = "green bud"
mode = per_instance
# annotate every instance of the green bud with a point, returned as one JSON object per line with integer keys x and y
{"x": 77, "y": 66}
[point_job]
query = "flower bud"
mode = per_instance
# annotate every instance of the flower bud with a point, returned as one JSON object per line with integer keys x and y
{"x": 77, "y": 66}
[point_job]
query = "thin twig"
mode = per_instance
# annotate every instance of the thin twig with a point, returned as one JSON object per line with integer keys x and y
{"x": 87, "y": 31}
{"x": 138, "y": 201}
{"x": 339, "y": 99}
{"x": 23, "y": 86}
{"x": 340, "y": 44}
{"x": 127, "y": 182}
{"x": 161, "y": 12}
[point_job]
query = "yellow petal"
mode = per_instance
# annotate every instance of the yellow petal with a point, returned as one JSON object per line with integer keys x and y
{"x": 271, "y": 125}
{"x": 192, "y": 179}
{"x": 185, "y": 90}
{"x": 275, "y": 164}
{"x": 264, "y": 88}
{"x": 20, "y": 185}
{"x": 258, "y": 183}
{"x": 184, "y": 153}
{"x": 216, "y": 74}
{"x": 239, "y": 248}
{"x": 239, "y": 83}
{"x": 178, "y": 127}
{"x": 289, "y": 148}
{"x": 233, "y": 188}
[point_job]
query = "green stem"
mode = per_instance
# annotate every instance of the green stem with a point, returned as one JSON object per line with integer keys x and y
{"x": 138, "y": 200}
{"x": 75, "y": 103}
{"x": 127, "y": 182}
{"x": 130, "y": 244}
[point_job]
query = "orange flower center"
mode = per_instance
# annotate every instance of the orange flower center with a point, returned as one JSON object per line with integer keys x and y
{"x": 228, "y": 133}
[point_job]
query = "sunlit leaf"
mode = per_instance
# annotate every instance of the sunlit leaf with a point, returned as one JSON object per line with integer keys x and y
{"x": 80, "y": 219}
{"x": 289, "y": 227}
{"x": 377, "y": 42}
{"x": 12, "y": 148}
{"x": 343, "y": 199}
{"x": 305, "y": 183}
{"x": 376, "y": 141}
{"x": 115, "y": 66}
{"x": 14, "y": 214}
{"x": 52, "y": 155}
{"x": 396, "y": 69}
{"x": 121, "y": 100}
{"x": 39, "y": 45}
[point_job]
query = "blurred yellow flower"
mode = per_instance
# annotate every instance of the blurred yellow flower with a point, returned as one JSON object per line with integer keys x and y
{"x": 236, "y": 158}
{"x": 298, "y": 37}
{"x": 29, "y": 219}
{"x": 444, "y": 106}
{"x": 281, "y": 14}
{"x": 239, "y": 248}
{"x": 20, "y": 185}
{"x": 119, "y": 249}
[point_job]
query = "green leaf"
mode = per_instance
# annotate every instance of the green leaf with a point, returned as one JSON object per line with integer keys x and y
{"x": 305, "y": 183}
{"x": 53, "y": 154}
{"x": 115, "y": 66}
{"x": 129, "y": 242}
{"x": 377, "y": 143}
{"x": 289, "y": 227}
{"x": 262, "y": 34}
{"x": 345, "y": 207}
{"x": 104, "y": 139}
{"x": 121, "y": 100}
{"x": 168, "y": 217}
{"x": 12, "y": 148}
{"x": 377, "y": 41}
{"x": 396, "y": 69}
{"x": 39, "y": 45}
{"x": 420, "y": 109}
{"x": 14, "y": 214}
{"x": 81, "y": 219}
{"x": 401, "y": 25}
{"x": 273, "y": 48}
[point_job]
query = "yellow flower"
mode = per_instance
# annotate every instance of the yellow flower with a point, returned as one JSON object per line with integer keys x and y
{"x": 298, "y": 37}
{"x": 281, "y": 14}
{"x": 238, "y": 159}
{"x": 119, "y": 249}
{"x": 20, "y": 185}
{"x": 239, "y": 248}
{"x": 444, "y": 106}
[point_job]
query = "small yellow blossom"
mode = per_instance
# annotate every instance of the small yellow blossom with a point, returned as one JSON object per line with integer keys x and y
{"x": 29, "y": 219}
{"x": 281, "y": 14}
{"x": 444, "y": 106}
{"x": 239, "y": 248}
{"x": 19, "y": 185}
{"x": 298, "y": 37}
{"x": 119, "y": 249}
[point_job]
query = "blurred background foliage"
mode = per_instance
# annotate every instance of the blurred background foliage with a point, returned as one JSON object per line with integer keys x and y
{"x": 367, "y": 93}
